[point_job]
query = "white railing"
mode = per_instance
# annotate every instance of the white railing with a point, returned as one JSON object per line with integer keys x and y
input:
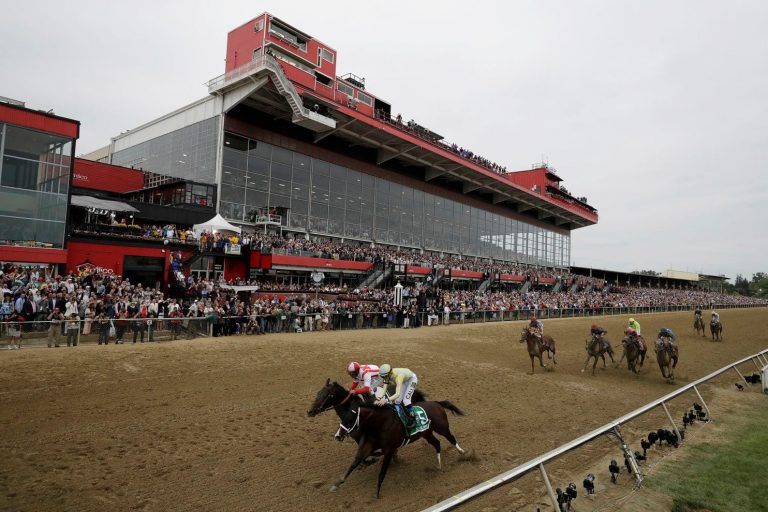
{"x": 612, "y": 427}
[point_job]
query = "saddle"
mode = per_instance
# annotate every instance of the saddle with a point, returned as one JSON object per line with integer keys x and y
{"x": 639, "y": 341}
{"x": 422, "y": 420}
{"x": 666, "y": 345}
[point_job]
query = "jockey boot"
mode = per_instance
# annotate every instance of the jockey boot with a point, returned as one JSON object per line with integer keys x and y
{"x": 410, "y": 418}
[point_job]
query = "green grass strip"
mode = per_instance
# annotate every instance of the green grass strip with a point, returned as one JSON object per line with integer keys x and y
{"x": 729, "y": 475}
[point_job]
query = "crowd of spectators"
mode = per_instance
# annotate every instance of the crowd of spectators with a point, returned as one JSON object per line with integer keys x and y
{"x": 112, "y": 308}
{"x": 416, "y": 129}
{"x": 334, "y": 249}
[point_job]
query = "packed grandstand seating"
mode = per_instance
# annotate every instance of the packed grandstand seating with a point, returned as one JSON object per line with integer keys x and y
{"x": 416, "y": 129}
{"x": 31, "y": 295}
{"x": 378, "y": 253}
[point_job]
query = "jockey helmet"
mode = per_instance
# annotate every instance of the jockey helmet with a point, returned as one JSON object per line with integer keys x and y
{"x": 631, "y": 320}
{"x": 384, "y": 370}
{"x": 594, "y": 326}
{"x": 353, "y": 369}
{"x": 533, "y": 317}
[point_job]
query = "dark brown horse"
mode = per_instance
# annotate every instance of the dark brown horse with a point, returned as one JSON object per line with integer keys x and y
{"x": 666, "y": 355}
{"x": 634, "y": 352}
{"x": 716, "y": 328}
{"x": 335, "y": 396}
{"x": 537, "y": 345}
{"x": 380, "y": 429}
{"x": 698, "y": 324}
{"x": 597, "y": 348}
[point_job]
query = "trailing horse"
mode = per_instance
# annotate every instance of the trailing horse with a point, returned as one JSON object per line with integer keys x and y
{"x": 666, "y": 355}
{"x": 537, "y": 345}
{"x": 716, "y": 328}
{"x": 634, "y": 351}
{"x": 380, "y": 428}
{"x": 597, "y": 348}
{"x": 698, "y": 324}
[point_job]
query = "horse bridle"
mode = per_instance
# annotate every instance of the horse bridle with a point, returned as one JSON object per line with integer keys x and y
{"x": 324, "y": 408}
{"x": 349, "y": 430}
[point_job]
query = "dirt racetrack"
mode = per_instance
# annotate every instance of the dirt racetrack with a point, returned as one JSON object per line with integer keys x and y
{"x": 221, "y": 423}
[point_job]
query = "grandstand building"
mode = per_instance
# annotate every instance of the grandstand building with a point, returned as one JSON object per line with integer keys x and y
{"x": 280, "y": 132}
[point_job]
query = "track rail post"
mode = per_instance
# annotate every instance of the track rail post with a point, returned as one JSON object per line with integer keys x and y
{"x": 703, "y": 403}
{"x": 615, "y": 432}
{"x": 740, "y": 375}
{"x": 674, "y": 426}
{"x": 549, "y": 486}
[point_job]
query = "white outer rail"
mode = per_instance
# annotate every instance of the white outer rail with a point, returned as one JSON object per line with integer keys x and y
{"x": 535, "y": 463}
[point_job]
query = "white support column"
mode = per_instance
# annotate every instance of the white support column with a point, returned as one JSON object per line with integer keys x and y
{"x": 549, "y": 487}
{"x": 740, "y": 375}
{"x": 703, "y": 403}
{"x": 674, "y": 426}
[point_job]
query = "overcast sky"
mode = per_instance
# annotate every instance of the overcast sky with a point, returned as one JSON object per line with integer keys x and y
{"x": 657, "y": 111}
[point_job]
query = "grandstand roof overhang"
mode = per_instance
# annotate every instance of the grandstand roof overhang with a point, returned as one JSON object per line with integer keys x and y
{"x": 429, "y": 160}
{"x": 443, "y": 166}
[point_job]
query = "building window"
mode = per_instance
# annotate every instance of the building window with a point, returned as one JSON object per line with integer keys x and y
{"x": 344, "y": 88}
{"x": 324, "y": 55}
{"x": 258, "y": 26}
{"x": 364, "y": 98}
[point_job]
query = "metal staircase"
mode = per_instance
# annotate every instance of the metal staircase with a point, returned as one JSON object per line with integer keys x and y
{"x": 439, "y": 274}
{"x": 268, "y": 65}
{"x": 384, "y": 275}
{"x": 484, "y": 285}
{"x": 557, "y": 287}
{"x": 526, "y": 287}
{"x": 574, "y": 288}
{"x": 370, "y": 278}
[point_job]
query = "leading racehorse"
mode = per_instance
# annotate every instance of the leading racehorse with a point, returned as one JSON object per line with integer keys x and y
{"x": 597, "y": 348}
{"x": 537, "y": 345}
{"x": 380, "y": 428}
{"x": 335, "y": 396}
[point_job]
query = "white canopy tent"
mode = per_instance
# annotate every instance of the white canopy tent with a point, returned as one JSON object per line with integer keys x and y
{"x": 216, "y": 224}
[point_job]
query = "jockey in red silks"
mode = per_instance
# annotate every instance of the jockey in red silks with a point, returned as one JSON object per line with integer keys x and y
{"x": 366, "y": 378}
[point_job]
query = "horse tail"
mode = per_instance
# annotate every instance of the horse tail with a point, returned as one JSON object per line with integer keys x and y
{"x": 446, "y": 404}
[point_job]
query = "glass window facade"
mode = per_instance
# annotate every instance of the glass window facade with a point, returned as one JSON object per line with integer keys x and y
{"x": 188, "y": 153}
{"x": 328, "y": 199}
{"x": 34, "y": 185}
{"x": 178, "y": 194}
